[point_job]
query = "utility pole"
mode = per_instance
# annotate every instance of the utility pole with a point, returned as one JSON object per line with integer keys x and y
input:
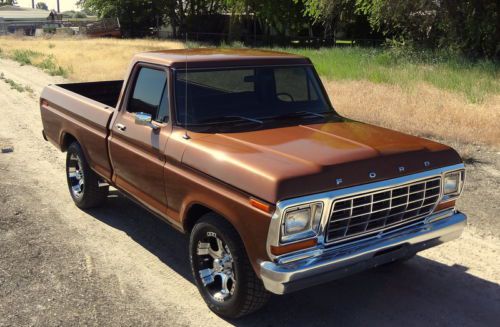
{"x": 33, "y": 4}
{"x": 58, "y": 10}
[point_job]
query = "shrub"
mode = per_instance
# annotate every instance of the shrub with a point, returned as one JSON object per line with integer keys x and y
{"x": 24, "y": 57}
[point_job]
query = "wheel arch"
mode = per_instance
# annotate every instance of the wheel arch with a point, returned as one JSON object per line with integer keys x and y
{"x": 66, "y": 140}
{"x": 195, "y": 211}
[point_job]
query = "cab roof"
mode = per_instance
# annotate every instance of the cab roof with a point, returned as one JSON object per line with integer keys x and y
{"x": 211, "y": 57}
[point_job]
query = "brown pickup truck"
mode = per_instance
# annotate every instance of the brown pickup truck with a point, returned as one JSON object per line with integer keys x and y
{"x": 242, "y": 150}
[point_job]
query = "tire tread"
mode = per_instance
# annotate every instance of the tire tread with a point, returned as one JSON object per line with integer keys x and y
{"x": 93, "y": 195}
{"x": 255, "y": 296}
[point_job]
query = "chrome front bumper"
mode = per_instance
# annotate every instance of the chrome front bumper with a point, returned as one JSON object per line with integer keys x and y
{"x": 318, "y": 266}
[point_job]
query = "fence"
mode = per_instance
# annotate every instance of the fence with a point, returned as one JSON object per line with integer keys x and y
{"x": 257, "y": 40}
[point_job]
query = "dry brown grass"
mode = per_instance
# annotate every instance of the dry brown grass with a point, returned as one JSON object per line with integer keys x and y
{"x": 87, "y": 59}
{"x": 422, "y": 110}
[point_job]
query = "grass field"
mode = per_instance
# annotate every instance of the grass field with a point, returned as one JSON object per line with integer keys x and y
{"x": 79, "y": 59}
{"x": 426, "y": 95}
{"x": 474, "y": 80}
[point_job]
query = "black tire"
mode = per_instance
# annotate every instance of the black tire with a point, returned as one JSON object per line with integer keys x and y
{"x": 78, "y": 173}
{"x": 248, "y": 292}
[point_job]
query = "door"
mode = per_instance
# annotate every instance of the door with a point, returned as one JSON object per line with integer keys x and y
{"x": 137, "y": 149}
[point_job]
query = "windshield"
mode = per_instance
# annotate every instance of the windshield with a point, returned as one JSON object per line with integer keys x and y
{"x": 252, "y": 95}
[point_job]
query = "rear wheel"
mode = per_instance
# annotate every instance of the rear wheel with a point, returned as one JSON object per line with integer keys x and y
{"x": 222, "y": 270}
{"x": 83, "y": 183}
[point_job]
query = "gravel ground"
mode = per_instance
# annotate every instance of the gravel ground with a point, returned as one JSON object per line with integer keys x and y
{"x": 119, "y": 266}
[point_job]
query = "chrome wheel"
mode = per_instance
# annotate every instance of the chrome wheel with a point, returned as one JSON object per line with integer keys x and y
{"x": 75, "y": 175}
{"x": 217, "y": 267}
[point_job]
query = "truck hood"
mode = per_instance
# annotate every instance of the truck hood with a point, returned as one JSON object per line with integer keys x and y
{"x": 281, "y": 163}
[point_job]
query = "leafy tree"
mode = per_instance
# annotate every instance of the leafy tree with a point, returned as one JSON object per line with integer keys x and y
{"x": 331, "y": 13}
{"x": 79, "y": 14}
{"x": 68, "y": 13}
{"x": 410, "y": 20}
{"x": 285, "y": 17}
{"x": 470, "y": 26}
{"x": 184, "y": 14}
{"x": 42, "y": 5}
{"x": 136, "y": 16}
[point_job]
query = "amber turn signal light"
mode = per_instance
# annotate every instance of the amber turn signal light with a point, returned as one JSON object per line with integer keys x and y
{"x": 445, "y": 205}
{"x": 260, "y": 205}
{"x": 279, "y": 250}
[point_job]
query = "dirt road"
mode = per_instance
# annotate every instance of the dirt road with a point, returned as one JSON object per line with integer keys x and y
{"x": 119, "y": 266}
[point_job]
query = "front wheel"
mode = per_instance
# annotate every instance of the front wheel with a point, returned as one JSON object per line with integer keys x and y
{"x": 222, "y": 270}
{"x": 83, "y": 183}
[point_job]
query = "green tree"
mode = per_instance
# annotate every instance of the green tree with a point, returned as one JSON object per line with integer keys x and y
{"x": 79, "y": 14}
{"x": 139, "y": 16}
{"x": 470, "y": 26}
{"x": 136, "y": 17}
{"x": 330, "y": 13}
{"x": 183, "y": 15}
{"x": 42, "y": 5}
{"x": 285, "y": 17}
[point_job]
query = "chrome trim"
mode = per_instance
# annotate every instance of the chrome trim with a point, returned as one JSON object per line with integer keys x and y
{"x": 386, "y": 226}
{"x": 306, "y": 234}
{"x": 461, "y": 184}
{"x": 321, "y": 265}
{"x": 101, "y": 183}
{"x": 273, "y": 237}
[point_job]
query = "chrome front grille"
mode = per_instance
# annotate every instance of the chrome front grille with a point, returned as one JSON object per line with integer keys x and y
{"x": 361, "y": 215}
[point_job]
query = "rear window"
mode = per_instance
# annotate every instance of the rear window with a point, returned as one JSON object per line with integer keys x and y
{"x": 230, "y": 81}
{"x": 293, "y": 84}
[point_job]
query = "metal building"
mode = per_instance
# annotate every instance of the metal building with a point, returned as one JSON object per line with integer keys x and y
{"x": 21, "y": 20}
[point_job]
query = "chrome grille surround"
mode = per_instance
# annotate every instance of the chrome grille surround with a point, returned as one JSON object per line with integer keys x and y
{"x": 357, "y": 216}
{"x": 330, "y": 197}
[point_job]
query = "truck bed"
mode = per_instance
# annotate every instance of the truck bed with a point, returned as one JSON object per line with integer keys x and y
{"x": 82, "y": 112}
{"x": 106, "y": 92}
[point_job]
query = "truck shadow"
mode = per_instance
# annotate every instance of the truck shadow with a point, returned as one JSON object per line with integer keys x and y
{"x": 416, "y": 293}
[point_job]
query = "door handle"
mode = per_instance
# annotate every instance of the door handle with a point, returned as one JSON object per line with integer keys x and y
{"x": 121, "y": 127}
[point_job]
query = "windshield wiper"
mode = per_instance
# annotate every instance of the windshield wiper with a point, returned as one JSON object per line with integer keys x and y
{"x": 227, "y": 119}
{"x": 301, "y": 114}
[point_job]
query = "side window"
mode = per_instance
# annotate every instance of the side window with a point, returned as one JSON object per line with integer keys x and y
{"x": 150, "y": 94}
{"x": 293, "y": 84}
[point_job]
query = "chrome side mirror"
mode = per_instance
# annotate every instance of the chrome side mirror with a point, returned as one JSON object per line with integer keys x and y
{"x": 144, "y": 119}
